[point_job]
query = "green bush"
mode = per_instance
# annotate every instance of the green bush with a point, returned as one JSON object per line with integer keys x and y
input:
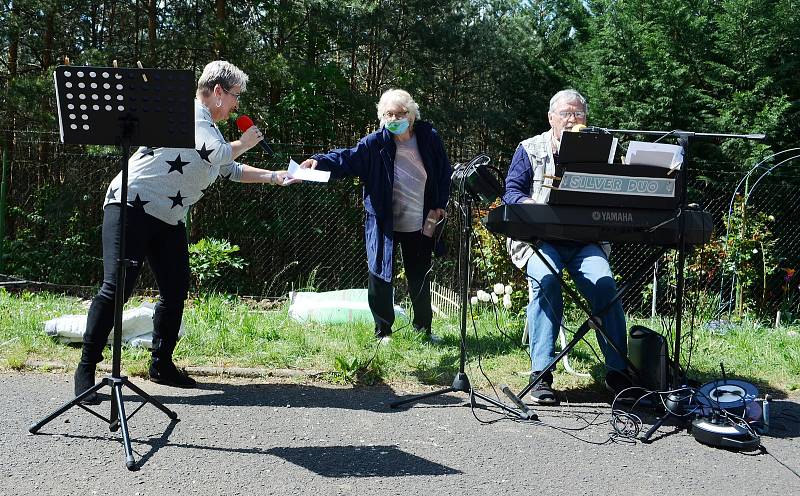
{"x": 209, "y": 259}
{"x": 54, "y": 239}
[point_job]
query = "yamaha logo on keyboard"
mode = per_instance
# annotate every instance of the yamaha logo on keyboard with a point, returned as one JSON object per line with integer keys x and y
{"x": 612, "y": 216}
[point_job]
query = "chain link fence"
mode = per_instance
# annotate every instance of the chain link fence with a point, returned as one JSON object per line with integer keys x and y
{"x": 310, "y": 236}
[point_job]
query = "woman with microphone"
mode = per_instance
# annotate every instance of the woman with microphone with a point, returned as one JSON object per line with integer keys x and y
{"x": 162, "y": 184}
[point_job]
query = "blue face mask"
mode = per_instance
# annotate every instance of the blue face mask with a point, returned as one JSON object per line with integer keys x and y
{"x": 397, "y": 127}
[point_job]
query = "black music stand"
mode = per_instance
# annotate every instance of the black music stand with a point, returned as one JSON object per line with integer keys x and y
{"x": 678, "y": 378}
{"x": 112, "y": 106}
{"x": 461, "y": 380}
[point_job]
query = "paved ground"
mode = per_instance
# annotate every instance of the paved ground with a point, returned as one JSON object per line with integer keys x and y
{"x": 260, "y": 436}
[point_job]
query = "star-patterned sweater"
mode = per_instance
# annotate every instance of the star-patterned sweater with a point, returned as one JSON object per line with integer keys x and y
{"x": 165, "y": 182}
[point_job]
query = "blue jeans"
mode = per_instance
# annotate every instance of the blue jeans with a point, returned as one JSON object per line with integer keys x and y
{"x": 588, "y": 266}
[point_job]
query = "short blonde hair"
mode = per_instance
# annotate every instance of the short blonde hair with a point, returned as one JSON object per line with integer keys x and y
{"x": 399, "y": 97}
{"x": 220, "y": 72}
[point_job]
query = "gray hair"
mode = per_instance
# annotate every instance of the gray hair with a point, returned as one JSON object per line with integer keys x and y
{"x": 399, "y": 97}
{"x": 220, "y": 72}
{"x": 568, "y": 95}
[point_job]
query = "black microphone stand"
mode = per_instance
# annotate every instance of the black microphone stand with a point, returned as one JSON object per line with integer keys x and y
{"x": 461, "y": 380}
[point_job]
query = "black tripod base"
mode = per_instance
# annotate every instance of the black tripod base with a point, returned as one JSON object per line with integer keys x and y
{"x": 461, "y": 385}
{"x": 682, "y": 424}
{"x": 118, "y": 418}
{"x": 675, "y": 405}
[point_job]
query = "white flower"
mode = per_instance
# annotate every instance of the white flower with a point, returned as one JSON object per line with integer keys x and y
{"x": 755, "y": 250}
{"x": 508, "y": 289}
{"x": 771, "y": 218}
{"x": 483, "y": 295}
{"x": 499, "y": 288}
{"x": 474, "y": 300}
{"x": 495, "y": 298}
{"x": 507, "y": 301}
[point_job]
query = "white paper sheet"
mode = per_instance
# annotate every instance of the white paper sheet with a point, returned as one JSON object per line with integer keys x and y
{"x": 296, "y": 172}
{"x": 655, "y": 154}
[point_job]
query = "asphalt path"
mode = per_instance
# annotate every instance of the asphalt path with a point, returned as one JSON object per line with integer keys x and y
{"x": 274, "y": 436}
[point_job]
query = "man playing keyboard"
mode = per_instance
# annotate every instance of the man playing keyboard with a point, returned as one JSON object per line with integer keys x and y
{"x": 530, "y": 178}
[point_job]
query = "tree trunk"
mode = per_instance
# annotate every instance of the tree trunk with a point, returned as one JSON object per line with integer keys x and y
{"x": 10, "y": 124}
{"x": 152, "y": 22}
{"x": 47, "y": 60}
{"x": 111, "y": 21}
{"x": 136, "y": 31}
{"x": 93, "y": 16}
{"x": 220, "y": 16}
{"x": 49, "y": 33}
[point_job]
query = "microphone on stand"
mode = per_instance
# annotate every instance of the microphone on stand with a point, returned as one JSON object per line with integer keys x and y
{"x": 581, "y": 128}
{"x": 244, "y": 123}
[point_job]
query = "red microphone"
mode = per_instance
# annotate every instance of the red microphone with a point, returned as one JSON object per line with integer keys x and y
{"x": 244, "y": 123}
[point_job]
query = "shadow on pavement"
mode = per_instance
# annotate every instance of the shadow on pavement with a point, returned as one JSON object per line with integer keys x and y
{"x": 373, "y": 398}
{"x": 360, "y": 461}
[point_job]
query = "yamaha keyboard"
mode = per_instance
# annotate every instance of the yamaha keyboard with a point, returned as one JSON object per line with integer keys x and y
{"x": 533, "y": 222}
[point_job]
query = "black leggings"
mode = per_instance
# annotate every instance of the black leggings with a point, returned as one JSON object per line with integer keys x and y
{"x": 417, "y": 253}
{"x": 167, "y": 251}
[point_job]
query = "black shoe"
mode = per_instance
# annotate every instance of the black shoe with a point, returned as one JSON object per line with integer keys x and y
{"x": 84, "y": 379}
{"x": 543, "y": 393}
{"x": 383, "y": 333}
{"x": 165, "y": 372}
{"x": 429, "y": 336}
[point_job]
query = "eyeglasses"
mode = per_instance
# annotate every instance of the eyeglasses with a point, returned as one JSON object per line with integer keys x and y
{"x": 396, "y": 115}
{"x": 235, "y": 95}
{"x": 578, "y": 115}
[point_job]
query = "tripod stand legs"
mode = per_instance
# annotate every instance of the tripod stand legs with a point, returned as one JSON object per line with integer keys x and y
{"x": 675, "y": 406}
{"x": 118, "y": 418}
{"x": 123, "y": 423}
{"x": 460, "y": 384}
{"x": 75, "y": 401}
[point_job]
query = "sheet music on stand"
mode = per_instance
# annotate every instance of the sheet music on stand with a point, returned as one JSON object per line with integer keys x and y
{"x": 654, "y": 154}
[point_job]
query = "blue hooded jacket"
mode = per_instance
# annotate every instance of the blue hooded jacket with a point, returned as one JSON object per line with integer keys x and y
{"x": 372, "y": 161}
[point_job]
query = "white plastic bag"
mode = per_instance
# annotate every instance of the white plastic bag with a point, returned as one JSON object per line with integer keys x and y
{"x": 332, "y": 307}
{"x": 137, "y": 327}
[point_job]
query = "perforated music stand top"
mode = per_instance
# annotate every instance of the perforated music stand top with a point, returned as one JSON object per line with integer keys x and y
{"x": 99, "y": 105}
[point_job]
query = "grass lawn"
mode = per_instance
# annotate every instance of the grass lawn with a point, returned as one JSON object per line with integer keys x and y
{"x": 227, "y": 332}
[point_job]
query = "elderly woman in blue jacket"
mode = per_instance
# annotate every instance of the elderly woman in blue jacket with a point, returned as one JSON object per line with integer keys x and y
{"x": 406, "y": 176}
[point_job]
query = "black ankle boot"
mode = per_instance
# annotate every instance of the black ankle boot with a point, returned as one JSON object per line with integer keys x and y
{"x": 165, "y": 372}
{"x": 84, "y": 379}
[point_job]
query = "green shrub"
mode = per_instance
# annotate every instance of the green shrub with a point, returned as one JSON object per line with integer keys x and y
{"x": 209, "y": 258}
